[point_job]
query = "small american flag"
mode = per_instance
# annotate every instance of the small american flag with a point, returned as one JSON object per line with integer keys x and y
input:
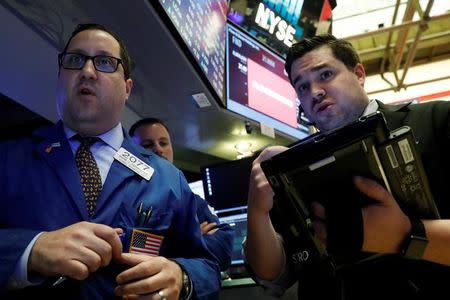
{"x": 50, "y": 147}
{"x": 145, "y": 243}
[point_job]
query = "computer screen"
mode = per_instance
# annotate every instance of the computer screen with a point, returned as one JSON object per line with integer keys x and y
{"x": 226, "y": 185}
{"x": 201, "y": 25}
{"x": 257, "y": 85}
{"x": 226, "y": 190}
{"x": 239, "y": 224}
{"x": 197, "y": 188}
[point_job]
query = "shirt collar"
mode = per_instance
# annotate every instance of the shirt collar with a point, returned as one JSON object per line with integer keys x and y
{"x": 371, "y": 107}
{"x": 113, "y": 137}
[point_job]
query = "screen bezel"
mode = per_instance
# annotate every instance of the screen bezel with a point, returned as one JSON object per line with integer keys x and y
{"x": 165, "y": 18}
{"x": 222, "y": 210}
{"x": 245, "y": 111}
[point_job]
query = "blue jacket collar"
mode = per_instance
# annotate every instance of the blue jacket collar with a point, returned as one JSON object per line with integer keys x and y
{"x": 53, "y": 147}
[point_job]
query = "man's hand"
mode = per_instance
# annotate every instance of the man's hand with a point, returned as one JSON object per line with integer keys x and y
{"x": 208, "y": 228}
{"x": 385, "y": 224}
{"x": 263, "y": 249}
{"x": 147, "y": 276}
{"x": 75, "y": 251}
{"x": 260, "y": 194}
{"x": 319, "y": 221}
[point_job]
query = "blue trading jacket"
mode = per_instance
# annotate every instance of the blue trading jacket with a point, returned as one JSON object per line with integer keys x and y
{"x": 40, "y": 191}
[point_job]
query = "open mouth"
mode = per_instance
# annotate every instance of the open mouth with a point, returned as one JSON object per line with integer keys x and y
{"x": 323, "y": 107}
{"x": 86, "y": 91}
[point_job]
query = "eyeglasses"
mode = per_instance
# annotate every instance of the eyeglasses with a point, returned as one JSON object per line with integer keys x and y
{"x": 76, "y": 61}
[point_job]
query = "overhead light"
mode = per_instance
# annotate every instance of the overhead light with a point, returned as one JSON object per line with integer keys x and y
{"x": 243, "y": 149}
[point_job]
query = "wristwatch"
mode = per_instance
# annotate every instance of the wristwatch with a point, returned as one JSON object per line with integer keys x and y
{"x": 186, "y": 284}
{"x": 186, "y": 289}
{"x": 413, "y": 247}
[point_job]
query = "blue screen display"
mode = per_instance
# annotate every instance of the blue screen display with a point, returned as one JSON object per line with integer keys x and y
{"x": 201, "y": 24}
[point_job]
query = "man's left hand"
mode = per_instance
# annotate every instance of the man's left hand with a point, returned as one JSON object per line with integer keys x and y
{"x": 208, "y": 228}
{"x": 385, "y": 224}
{"x": 148, "y": 276}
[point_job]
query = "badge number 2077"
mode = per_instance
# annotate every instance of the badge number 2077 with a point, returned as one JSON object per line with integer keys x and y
{"x": 134, "y": 163}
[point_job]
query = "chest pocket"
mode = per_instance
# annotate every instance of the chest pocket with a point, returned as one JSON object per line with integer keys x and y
{"x": 149, "y": 237}
{"x": 158, "y": 221}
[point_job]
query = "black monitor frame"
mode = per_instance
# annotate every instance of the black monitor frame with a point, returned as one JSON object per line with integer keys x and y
{"x": 165, "y": 18}
{"x": 226, "y": 185}
{"x": 237, "y": 92}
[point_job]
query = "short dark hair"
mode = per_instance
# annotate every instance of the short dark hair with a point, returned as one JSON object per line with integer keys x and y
{"x": 146, "y": 121}
{"x": 127, "y": 62}
{"x": 340, "y": 48}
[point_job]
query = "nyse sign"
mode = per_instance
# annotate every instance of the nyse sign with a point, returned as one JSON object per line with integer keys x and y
{"x": 270, "y": 18}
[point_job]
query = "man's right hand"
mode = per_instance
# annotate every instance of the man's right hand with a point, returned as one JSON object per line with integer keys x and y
{"x": 75, "y": 251}
{"x": 263, "y": 250}
{"x": 260, "y": 194}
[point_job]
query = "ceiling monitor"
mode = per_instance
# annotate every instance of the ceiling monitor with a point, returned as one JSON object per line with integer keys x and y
{"x": 258, "y": 88}
{"x": 201, "y": 27}
{"x": 279, "y": 24}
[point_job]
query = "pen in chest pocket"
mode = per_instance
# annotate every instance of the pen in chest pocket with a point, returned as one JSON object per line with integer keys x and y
{"x": 143, "y": 216}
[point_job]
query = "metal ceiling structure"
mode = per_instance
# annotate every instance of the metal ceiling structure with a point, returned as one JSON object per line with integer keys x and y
{"x": 396, "y": 48}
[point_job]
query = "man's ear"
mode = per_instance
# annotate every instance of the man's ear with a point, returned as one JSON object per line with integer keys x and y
{"x": 128, "y": 87}
{"x": 360, "y": 73}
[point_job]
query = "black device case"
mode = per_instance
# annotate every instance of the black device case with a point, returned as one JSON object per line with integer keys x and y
{"x": 320, "y": 168}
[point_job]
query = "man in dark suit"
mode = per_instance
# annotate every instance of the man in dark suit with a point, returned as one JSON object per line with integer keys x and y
{"x": 328, "y": 77}
{"x": 82, "y": 203}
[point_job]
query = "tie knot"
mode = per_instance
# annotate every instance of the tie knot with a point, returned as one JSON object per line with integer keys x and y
{"x": 87, "y": 141}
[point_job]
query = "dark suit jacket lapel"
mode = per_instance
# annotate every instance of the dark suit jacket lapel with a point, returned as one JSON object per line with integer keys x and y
{"x": 394, "y": 114}
{"x": 55, "y": 150}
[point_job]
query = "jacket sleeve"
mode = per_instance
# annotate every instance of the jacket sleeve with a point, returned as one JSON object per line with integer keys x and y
{"x": 13, "y": 243}
{"x": 189, "y": 249}
{"x": 220, "y": 243}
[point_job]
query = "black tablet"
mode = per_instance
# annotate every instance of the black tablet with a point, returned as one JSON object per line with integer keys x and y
{"x": 315, "y": 168}
{"x": 321, "y": 167}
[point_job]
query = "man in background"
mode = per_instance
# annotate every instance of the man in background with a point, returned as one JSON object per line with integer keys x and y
{"x": 153, "y": 135}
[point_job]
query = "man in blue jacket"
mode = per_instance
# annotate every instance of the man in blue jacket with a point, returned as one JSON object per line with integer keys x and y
{"x": 153, "y": 134}
{"x": 80, "y": 201}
